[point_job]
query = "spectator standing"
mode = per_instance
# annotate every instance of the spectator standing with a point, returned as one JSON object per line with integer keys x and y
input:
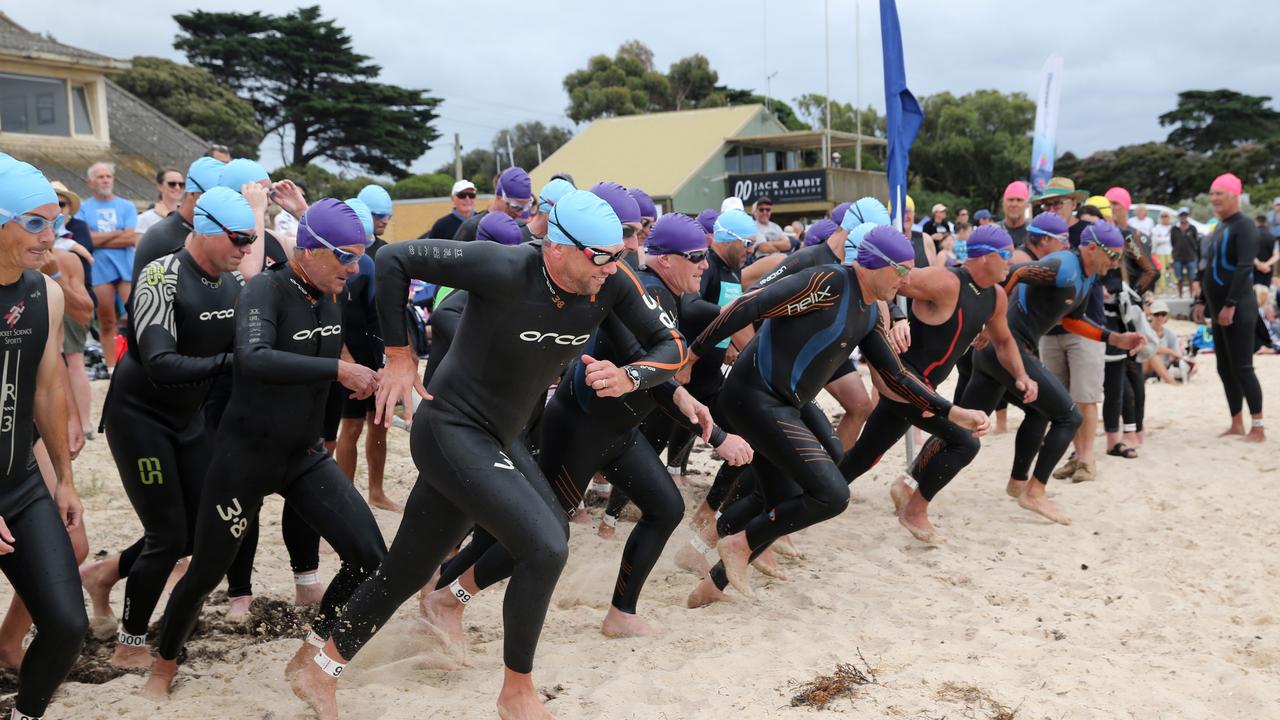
{"x": 513, "y": 195}
{"x": 1273, "y": 218}
{"x": 1184, "y": 241}
{"x": 983, "y": 217}
{"x": 1162, "y": 247}
{"x": 937, "y": 226}
{"x": 170, "y": 188}
{"x": 463, "y": 197}
{"x": 769, "y": 236}
{"x": 1268, "y": 252}
{"x": 1014, "y": 207}
{"x": 113, "y": 223}
{"x": 1141, "y": 222}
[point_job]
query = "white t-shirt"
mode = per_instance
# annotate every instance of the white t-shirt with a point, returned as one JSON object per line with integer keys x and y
{"x": 285, "y": 225}
{"x": 1144, "y": 225}
{"x": 1161, "y": 242}
{"x": 768, "y": 232}
{"x": 1169, "y": 339}
{"x": 147, "y": 219}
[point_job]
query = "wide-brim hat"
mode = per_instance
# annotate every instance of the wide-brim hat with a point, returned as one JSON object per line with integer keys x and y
{"x": 73, "y": 200}
{"x": 1060, "y": 187}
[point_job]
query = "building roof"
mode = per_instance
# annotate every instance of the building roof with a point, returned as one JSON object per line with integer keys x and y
{"x": 656, "y": 152}
{"x": 806, "y": 140}
{"x": 16, "y": 40}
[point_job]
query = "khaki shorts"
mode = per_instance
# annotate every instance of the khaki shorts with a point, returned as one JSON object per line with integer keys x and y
{"x": 1078, "y": 362}
{"x": 73, "y": 336}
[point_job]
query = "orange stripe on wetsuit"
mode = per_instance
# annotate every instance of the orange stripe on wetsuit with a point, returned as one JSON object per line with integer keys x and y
{"x": 674, "y": 333}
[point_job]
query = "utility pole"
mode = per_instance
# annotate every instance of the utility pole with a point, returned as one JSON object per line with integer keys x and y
{"x": 857, "y": 69}
{"x": 457, "y": 157}
{"x": 764, "y": 28}
{"x": 511, "y": 156}
{"x": 826, "y": 35}
{"x": 539, "y": 145}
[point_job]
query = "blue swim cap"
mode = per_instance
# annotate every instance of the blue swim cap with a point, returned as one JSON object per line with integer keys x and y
{"x": 854, "y": 241}
{"x": 707, "y": 219}
{"x": 23, "y": 188}
{"x": 240, "y": 172}
{"x": 365, "y": 215}
{"x": 225, "y": 205}
{"x": 820, "y": 232}
{"x": 624, "y": 206}
{"x": 865, "y": 210}
{"x": 552, "y": 192}
{"x": 986, "y": 240}
{"x": 675, "y": 233}
{"x": 499, "y": 228}
{"x": 587, "y": 218}
{"x": 204, "y": 173}
{"x": 735, "y": 225}
{"x": 333, "y": 220}
{"x": 377, "y": 198}
{"x": 889, "y": 242}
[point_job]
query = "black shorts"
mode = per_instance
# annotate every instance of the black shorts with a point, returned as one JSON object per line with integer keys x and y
{"x": 352, "y": 408}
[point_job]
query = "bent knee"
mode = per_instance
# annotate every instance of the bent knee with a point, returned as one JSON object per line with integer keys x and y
{"x": 832, "y": 497}
{"x": 546, "y": 556}
{"x": 1072, "y": 418}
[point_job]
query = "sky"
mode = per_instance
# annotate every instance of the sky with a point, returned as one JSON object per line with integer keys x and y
{"x": 496, "y": 64}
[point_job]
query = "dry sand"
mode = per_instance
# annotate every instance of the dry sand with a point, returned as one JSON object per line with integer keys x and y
{"x": 1159, "y": 602}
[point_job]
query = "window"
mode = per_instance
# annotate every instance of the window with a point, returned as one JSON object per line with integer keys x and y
{"x": 752, "y": 161}
{"x": 33, "y": 105}
{"x": 83, "y": 121}
{"x": 731, "y": 162}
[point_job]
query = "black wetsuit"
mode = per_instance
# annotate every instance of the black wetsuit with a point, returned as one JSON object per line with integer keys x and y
{"x": 288, "y": 336}
{"x": 812, "y": 321}
{"x": 934, "y": 351}
{"x": 170, "y": 235}
{"x": 1041, "y": 294}
{"x": 518, "y": 332}
{"x": 1225, "y": 282}
{"x": 1124, "y": 391}
{"x": 181, "y": 335}
{"x": 42, "y": 566}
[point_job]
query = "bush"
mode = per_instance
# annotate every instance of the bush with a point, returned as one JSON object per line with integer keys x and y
{"x": 426, "y": 185}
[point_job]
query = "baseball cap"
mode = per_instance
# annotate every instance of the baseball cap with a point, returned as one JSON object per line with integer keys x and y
{"x": 225, "y": 205}
{"x": 983, "y": 214}
{"x": 1159, "y": 306}
{"x": 938, "y": 207}
{"x": 731, "y": 203}
{"x": 1184, "y": 210}
{"x": 462, "y": 185}
{"x": 762, "y": 200}
{"x": 675, "y": 233}
{"x": 377, "y": 198}
{"x": 203, "y": 174}
{"x": 333, "y": 220}
{"x": 240, "y": 172}
{"x": 587, "y": 217}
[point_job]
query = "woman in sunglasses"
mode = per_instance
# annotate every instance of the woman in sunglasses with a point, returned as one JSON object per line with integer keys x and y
{"x": 288, "y": 338}
{"x": 35, "y": 549}
{"x": 812, "y": 320}
{"x": 170, "y": 188}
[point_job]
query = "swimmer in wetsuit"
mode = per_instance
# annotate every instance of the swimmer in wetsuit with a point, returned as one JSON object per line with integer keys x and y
{"x": 812, "y": 321}
{"x": 949, "y": 308}
{"x": 35, "y": 550}
{"x": 181, "y": 334}
{"x": 1227, "y": 298}
{"x": 1042, "y": 293}
{"x": 288, "y": 336}
{"x": 529, "y": 313}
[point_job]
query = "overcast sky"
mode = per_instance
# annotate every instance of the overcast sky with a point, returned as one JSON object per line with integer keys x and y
{"x": 496, "y": 64}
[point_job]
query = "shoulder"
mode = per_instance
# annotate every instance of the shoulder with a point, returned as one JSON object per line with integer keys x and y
{"x": 163, "y": 269}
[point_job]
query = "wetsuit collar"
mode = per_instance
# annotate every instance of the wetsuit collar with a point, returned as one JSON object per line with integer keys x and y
{"x": 210, "y": 280}
{"x": 297, "y": 278}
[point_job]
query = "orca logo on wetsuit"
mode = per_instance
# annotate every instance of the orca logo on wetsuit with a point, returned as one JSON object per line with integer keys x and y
{"x": 218, "y": 314}
{"x": 651, "y": 303}
{"x": 535, "y": 336}
{"x": 321, "y": 331}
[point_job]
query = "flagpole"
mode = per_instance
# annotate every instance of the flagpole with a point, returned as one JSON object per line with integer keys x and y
{"x": 826, "y": 34}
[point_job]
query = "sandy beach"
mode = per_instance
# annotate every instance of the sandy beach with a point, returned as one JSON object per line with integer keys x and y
{"x": 1159, "y": 602}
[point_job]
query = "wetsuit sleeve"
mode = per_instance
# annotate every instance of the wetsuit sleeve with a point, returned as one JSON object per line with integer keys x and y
{"x": 653, "y": 328}
{"x": 1037, "y": 272}
{"x": 156, "y": 331}
{"x": 798, "y": 294}
{"x": 1078, "y": 323}
{"x": 257, "y": 315}
{"x": 478, "y": 267}
{"x": 886, "y": 363}
{"x": 1244, "y": 241}
{"x": 1147, "y": 274}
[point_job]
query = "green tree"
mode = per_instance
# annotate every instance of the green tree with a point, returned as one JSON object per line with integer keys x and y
{"x": 426, "y": 185}
{"x": 478, "y": 165}
{"x": 972, "y": 145}
{"x": 191, "y": 97}
{"x": 321, "y": 183}
{"x": 309, "y": 86}
{"x": 625, "y": 84}
{"x": 812, "y": 108}
{"x": 691, "y": 80}
{"x": 1211, "y": 120}
{"x": 781, "y": 110}
{"x": 526, "y": 137}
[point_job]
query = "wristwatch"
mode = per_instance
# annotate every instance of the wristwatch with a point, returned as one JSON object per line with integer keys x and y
{"x": 634, "y": 374}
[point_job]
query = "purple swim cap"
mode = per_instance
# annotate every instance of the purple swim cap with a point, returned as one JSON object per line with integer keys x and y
{"x": 647, "y": 208}
{"x": 1103, "y": 233}
{"x": 988, "y": 239}
{"x": 1048, "y": 224}
{"x": 675, "y": 233}
{"x": 624, "y": 206}
{"x": 837, "y": 213}
{"x": 514, "y": 182}
{"x": 888, "y": 241}
{"x": 707, "y": 219}
{"x": 499, "y": 228}
{"x": 334, "y": 221}
{"x": 820, "y": 232}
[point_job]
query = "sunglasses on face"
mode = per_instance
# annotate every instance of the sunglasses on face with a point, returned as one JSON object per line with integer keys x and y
{"x": 174, "y": 183}
{"x": 35, "y": 224}
{"x": 645, "y": 223}
{"x": 595, "y": 255}
{"x": 237, "y": 238}
{"x": 1004, "y": 253}
{"x": 344, "y": 257}
{"x": 468, "y": 195}
{"x": 522, "y": 207}
{"x": 898, "y": 269}
{"x": 693, "y": 256}
{"x": 748, "y": 242}
{"x": 381, "y": 217}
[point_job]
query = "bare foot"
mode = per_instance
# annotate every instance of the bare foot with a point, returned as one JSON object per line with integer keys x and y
{"x": 383, "y": 502}
{"x": 1014, "y": 488}
{"x": 735, "y": 554}
{"x": 703, "y": 516}
{"x": 11, "y": 657}
{"x": 786, "y": 547}
{"x": 706, "y": 593}
{"x": 442, "y": 612}
{"x": 317, "y": 689}
{"x": 519, "y": 701}
{"x": 618, "y": 624}
{"x": 688, "y": 558}
{"x": 1233, "y": 430}
{"x": 681, "y": 481}
{"x": 308, "y": 595}
{"x": 1256, "y": 435}
{"x": 160, "y": 681}
{"x": 299, "y": 660}
{"x": 605, "y": 530}
{"x": 581, "y": 517}
{"x": 900, "y": 493}
{"x": 1043, "y": 506}
{"x": 767, "y": 563}
{"x": 98, "y": 578}
{"x": 238, "y": 608}
{"x": 132, "y": 657}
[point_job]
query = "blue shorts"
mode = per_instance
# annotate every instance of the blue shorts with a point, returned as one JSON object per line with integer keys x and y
{"x": 112, "y": 265}
{"x": 1184, "y": 269}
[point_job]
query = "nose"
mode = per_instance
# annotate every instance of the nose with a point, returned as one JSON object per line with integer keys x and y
{"x": 610, "y": 268}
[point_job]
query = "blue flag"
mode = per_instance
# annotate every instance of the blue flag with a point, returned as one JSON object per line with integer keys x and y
{"x": 903, "y": 115}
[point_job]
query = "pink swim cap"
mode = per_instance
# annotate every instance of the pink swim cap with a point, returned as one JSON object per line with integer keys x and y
{"x": 1228, "y": 182}
{"x": 1016, "y": 189}
{"x": 1118, "y": 196}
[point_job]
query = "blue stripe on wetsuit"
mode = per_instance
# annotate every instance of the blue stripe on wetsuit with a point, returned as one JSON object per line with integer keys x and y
{"x": 764, "y": 353}
{"x": 1222, "y": 260}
